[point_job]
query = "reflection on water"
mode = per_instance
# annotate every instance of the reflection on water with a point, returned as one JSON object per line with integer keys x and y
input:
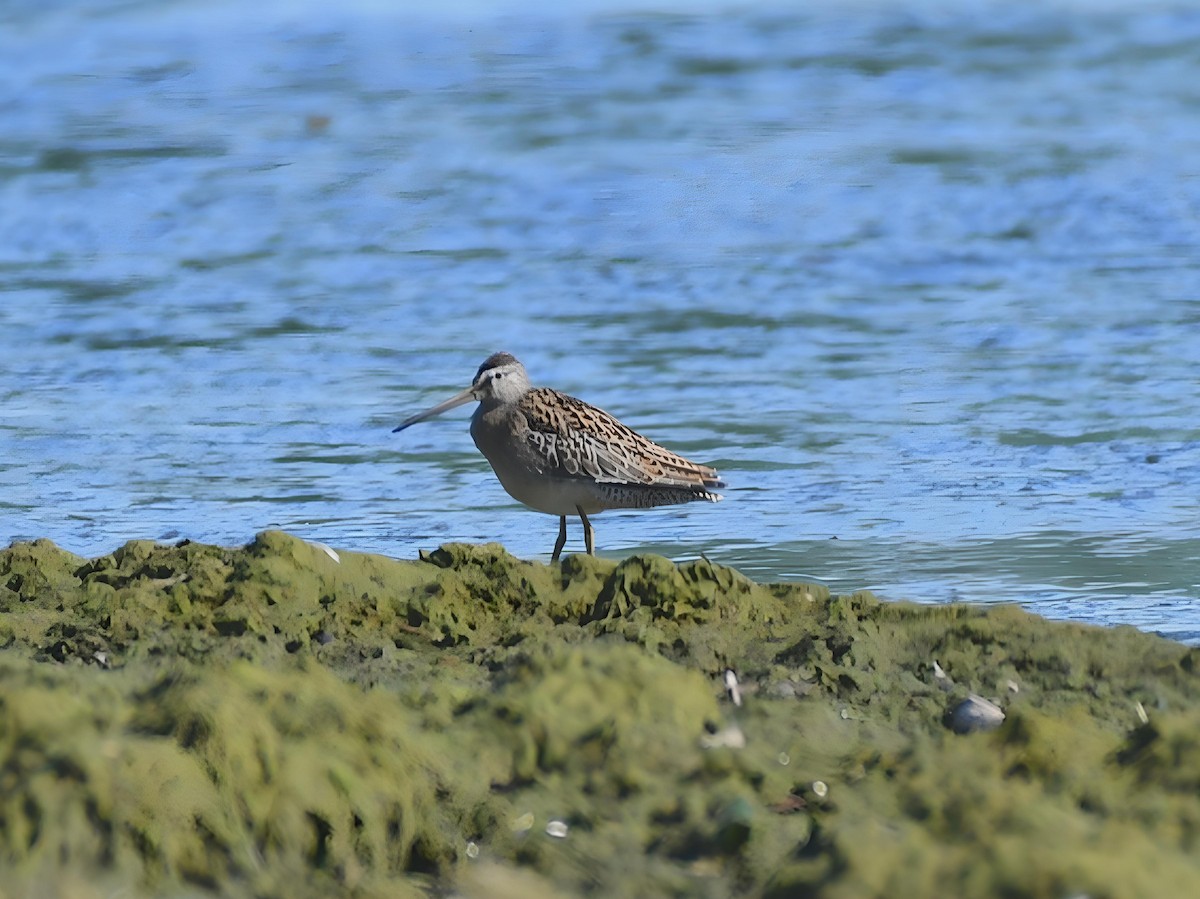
{"x": 919, "y": 280}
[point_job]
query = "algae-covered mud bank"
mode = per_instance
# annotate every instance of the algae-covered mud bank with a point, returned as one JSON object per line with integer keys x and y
{"x": 279, "y": 720}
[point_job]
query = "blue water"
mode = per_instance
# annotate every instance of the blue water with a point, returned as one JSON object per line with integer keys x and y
{"x": 920, "y": 280}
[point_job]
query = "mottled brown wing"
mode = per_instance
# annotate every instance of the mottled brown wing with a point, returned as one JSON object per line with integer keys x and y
{"x": 578, "y": 440}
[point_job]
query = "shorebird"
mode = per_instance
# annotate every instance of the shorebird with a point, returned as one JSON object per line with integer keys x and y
{"x": 562, "y": 456}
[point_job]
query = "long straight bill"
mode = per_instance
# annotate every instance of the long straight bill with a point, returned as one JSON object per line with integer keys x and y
{"x": 457, "y": 400}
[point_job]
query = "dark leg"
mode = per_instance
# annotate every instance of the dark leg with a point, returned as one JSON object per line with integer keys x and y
{"x": 562, "y": 538}
{"x": 589, "y": 535}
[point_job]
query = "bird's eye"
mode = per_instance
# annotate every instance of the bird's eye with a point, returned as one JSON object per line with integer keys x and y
{"x": 499, "y": 375}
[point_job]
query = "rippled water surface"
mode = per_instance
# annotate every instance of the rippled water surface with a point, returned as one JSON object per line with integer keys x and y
{"x": 922, "y": 281}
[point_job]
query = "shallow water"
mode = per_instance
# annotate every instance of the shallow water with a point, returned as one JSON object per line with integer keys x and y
{"x": 921, "y": 282}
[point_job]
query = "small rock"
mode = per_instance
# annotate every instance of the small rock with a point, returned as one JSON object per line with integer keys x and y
{"x": 975, "y": 714}
{"x": 730, "y": 737}
{"x": 789, "y": 689}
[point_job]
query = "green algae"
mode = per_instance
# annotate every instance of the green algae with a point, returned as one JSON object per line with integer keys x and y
{"x": 280, "y": 720}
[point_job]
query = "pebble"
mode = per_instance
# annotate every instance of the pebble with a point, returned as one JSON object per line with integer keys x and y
{"x": 975, "y": 714}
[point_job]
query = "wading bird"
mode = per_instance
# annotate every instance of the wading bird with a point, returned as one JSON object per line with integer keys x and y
{"x": 562, "y": 456}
